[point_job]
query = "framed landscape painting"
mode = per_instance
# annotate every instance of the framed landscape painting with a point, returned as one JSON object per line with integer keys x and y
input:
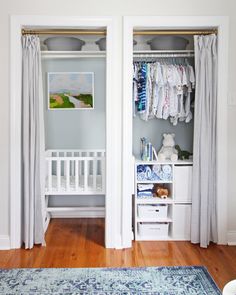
{"x": 70, "y": 90}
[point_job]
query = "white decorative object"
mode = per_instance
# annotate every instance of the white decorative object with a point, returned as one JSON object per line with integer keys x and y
{"x": 230, "y": 288}
{"x": 168, "y": 151}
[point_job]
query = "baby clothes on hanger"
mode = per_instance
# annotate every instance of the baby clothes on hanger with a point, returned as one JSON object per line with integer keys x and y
{"x": 157, "y": 88}
{"x": 190, "y": 86}
{"x": 163, "y": 91}
{"x": 142, "y": 99}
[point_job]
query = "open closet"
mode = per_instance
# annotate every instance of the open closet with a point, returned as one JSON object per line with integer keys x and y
{"x": 73, "y": 68}
{"x": 171, "y": 118}
{"x": 75, "y": 137}
{"x": 163, "y": 105}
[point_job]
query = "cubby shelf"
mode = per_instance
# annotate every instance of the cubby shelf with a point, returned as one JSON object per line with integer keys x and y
{"x": 72, "y": 54}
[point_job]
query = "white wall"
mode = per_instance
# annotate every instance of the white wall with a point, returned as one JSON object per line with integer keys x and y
{"x": 116, "y": 8}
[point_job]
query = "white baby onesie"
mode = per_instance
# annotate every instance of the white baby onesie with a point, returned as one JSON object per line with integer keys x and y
{"x": 157, "y": 87}
{"x": 180, "y": 95}
{"x": 162, "y": 94}
{"x": 169, "y": 83}
{"x": 174, "y": 93}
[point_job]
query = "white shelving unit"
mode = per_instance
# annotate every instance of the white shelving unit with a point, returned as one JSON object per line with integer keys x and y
{"x": 177, "y": 219}
{"x": 72, "y": 54}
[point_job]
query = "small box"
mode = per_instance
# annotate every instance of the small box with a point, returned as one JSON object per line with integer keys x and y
{"x": 155, "y": 229}
{"x": 153, "y": 211}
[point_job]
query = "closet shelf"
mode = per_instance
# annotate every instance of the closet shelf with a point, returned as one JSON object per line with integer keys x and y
{"x": 155, "y": 220}
{"x": 154, "y": 181}
{"x": 72, "y": 54}
{"x": 178, "y": 162}
{"x": 163, "y": 53}
{"x": 154, "y": 200}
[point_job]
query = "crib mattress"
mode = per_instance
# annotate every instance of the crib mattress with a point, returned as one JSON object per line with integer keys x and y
{"x": 72, "y": 189}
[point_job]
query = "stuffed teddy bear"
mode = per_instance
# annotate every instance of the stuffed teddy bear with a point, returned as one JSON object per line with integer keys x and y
{"x": 168, "y": 151}
{"x": 161, "y": 191}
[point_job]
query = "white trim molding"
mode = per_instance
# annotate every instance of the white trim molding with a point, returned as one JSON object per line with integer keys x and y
{"x": 80, "y": 212}
{"x": 4, "y": 242}
{"x": 231, "y": 238}
{"x": 112, "y": 217}
{"x": 174, "y": 22}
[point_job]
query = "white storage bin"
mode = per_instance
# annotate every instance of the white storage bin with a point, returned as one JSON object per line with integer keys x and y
{"x": 155, "y": 230}
{"x": 152, "y": 211}
{"x": 182, "y": 222}
{"x": 183, "y": 184}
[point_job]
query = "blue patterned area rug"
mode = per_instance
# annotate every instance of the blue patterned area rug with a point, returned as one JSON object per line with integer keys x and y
{"x": 194, "y": 280}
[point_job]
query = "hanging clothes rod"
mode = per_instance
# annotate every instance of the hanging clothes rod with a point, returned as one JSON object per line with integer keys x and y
{"x": 175, "y": 32}
{"x": 162, "y": 55}
{"x": 63, "y": 32}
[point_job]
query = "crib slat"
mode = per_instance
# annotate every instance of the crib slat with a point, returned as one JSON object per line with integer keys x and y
{"x": 85, "y": 175}
{"x": 80, "y": 166}
{"x": 68, "y": 175}
{"x": 58, "y": 175}
{"x": 95, "y": 161}
{"x": 76, "y": 174}
{"x": 49, "y": 175}
{"x": 73, "y": 168}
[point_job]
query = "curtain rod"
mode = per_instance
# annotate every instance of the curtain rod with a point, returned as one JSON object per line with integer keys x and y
{"x": 168, "y": 32}
{"x": 62, "y": 32}
{"x": 103, "y": 32}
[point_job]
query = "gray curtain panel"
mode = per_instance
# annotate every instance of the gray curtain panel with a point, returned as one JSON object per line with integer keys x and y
{"x": 33, "y": 146}
{"x": 204, "y": 207}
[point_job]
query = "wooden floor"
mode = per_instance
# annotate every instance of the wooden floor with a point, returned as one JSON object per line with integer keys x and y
{"x": 80, "y": 243}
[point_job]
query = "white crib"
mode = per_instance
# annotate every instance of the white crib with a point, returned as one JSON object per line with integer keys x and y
{"x": 72, "y": 172}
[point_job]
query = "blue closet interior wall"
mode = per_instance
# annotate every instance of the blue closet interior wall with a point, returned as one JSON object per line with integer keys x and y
{"x": 154, "y": 129}
{"x": 77, "y": 129}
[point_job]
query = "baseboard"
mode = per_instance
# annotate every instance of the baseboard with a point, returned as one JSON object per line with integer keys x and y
{"x": 77, "y": 213}
{"x": 231, "y": 237}
{"x": 4, "y": 242}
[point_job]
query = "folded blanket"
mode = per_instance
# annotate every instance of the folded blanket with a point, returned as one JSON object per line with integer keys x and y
{"x": 166, "y": 169}
{"x": 145, "y": 194}
{"x": 156, "y": 169}
{"x": 141, "y": 176}
{"x": 144, "y": 172}
{"x": 157, "y": 172}
{"x": 143, "y": 187}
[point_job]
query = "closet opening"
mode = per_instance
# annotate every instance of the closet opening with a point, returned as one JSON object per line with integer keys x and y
{"x": 73, "y": 65}
{"x": 170, "y": 87}
{"x": 163, "y": 122}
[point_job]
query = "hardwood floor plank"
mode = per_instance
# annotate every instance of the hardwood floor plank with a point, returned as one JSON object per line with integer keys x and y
{"x": 80, "y": 243}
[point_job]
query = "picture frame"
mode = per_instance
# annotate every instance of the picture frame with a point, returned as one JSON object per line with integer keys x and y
{"x": 70, "y": 90}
